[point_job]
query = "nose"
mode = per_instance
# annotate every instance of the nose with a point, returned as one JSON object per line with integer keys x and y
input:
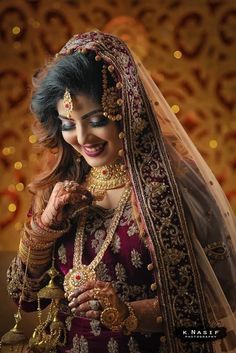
{"x": 81, "y": 133}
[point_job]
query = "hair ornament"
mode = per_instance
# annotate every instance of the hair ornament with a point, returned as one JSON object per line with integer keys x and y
{"x": 67, "y": 103}
{"x": 111, "y": 100}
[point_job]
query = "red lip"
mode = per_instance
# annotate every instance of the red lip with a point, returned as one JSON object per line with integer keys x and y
{"x": 93, "y": 153}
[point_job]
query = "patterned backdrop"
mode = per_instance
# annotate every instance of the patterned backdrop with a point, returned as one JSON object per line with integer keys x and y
{"x": 188, "y": 46}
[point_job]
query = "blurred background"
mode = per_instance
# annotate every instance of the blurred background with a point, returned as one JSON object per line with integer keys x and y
{"x": 188, "y": 46}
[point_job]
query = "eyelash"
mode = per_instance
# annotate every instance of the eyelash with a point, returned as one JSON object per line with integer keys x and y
{"x": 70, "y": 126}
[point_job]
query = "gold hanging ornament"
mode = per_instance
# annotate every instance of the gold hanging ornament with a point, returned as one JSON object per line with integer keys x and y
{"x": 14, "y": 341}
{"x": 51, "y": 333}
{"x": 67, "y": 103}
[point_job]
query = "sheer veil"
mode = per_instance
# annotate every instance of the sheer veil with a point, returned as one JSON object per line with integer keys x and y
{"x": 210, "y": 219}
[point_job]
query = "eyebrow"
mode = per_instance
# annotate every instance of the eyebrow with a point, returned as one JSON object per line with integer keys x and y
{"x": 85, "y": 116}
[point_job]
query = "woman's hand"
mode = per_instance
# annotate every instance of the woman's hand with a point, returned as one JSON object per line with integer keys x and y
{"x": 84, "y": 302}
{"x": 66, "y": 198}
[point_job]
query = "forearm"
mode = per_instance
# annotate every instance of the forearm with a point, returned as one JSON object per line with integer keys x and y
{"x": 21, "y": 286}
{"x": 148, "y": 314}
{"x": 28, "y": 271}
{"x": 36, "y": 245}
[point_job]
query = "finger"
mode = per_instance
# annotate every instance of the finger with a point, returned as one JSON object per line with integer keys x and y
{"x": 92, "y": 314}
{"x": 88, "y": 285}
{"x": 77, "y": 313}
{"x": 90, "y": 305}
{"x": 81, "y": 298}
{"x": 101, "y": 284}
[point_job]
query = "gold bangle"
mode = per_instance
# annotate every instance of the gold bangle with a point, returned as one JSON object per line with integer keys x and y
{"x": 38, "y": 252}
{"x": 38, "y": 233}
{"x": 40, "y": 226}
{"x": 131, "y": 322}
{"x": 42, "y": 257}
{"x": 109, "y": 318}
{"x": 35, "y": 244}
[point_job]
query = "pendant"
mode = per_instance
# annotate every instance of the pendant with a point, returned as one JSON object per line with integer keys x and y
{"x": 76, "y": 277}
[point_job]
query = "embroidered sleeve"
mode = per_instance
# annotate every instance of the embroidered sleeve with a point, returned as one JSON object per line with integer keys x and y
{"x": 148, "y": 314}
{"x": 15, "y": 279}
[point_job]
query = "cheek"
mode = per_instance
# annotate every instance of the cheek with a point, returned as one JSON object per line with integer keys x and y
{"x": 112, "y": 135}
{"x": 69, "y": 138}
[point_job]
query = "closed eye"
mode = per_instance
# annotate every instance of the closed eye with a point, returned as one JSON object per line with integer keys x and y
{"x": 98, "y": 121}
{"x": 67, "y": 125}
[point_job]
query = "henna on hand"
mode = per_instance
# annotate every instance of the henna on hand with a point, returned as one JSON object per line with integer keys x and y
{"x": 66, "y": 198}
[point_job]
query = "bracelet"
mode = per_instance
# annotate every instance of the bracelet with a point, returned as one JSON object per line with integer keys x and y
{"x": 131, "y": 322}
{"x": 34, "y": 257}
{"x": 48, "y": 228}
{"x": 110, "y": 318}
{"x": 40, "y": 230}
{"x": 35, "y": 243}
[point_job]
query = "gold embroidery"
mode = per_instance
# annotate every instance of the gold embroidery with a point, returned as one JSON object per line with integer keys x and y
{"x": 136, "y": 259}
{"x": 120, "y": 272}
{"x": 62, "y": 254}
{"x": 173, "y": 256}
{"x": 133, "y": 346}
{"x": 133, "y": 229}
{"x": 115, "y": 244}
{"x": 68, "y": 322}
{"x": 98, "y": 240}
{"x": 102, "y": 272}
{"x": 79, "y": 345}
{"x": 95, "y": 327}
{"x": 216, "y": 251}
{"x": 112, "y": 346}
{"x": 15, "y": 279}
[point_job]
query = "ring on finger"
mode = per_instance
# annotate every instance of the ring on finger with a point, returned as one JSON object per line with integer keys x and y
{"x": 94, "y": 304}
{"x": 96, "y": 293}
{"x": 68, "y": 185}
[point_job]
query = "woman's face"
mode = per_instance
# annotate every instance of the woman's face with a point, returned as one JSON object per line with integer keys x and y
{"x": 95, "y": 137}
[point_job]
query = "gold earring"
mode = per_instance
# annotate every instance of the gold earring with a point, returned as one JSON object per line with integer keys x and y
{"x": 67, "y": 103}
{"x": 110, "y": 97}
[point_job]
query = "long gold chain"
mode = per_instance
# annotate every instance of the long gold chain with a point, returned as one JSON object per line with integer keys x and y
{"x": 110, "y": 233}
{"x": 80, "y": 274}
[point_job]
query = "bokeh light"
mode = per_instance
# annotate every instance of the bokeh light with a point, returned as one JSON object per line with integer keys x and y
{"x": 18, "y": 165}
{"x": 175, "y": 108}
{"x": 177, "y": 54}
{"x": 20, "y": 187}
{"x": 213, "y": 143}
{"x": 16, "y": 30}
{"x": 11, "y": 207}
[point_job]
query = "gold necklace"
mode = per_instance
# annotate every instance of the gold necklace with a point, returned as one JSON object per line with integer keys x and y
{"x": 80, "y": 273}
{"x": 111, "y": 176}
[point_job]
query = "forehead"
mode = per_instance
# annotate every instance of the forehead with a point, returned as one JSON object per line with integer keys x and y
{"x": 81, "y": 103}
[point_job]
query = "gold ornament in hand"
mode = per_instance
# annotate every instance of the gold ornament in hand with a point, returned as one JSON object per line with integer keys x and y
{"x": 110, "y": 318}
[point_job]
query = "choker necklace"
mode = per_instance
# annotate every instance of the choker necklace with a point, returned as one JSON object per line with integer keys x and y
{"x": 107, "y": 177}
{"x": 81, "y": 273}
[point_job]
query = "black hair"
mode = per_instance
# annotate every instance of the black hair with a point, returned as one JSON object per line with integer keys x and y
{"x": 80, "y": 73}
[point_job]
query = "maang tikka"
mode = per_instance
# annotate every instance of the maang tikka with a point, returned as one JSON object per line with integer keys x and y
{"x": 67, "y": 103}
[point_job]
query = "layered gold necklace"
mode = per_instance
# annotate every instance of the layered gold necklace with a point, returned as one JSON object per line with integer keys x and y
{"x": 81, "y": 273}
{"x": 101, "y": 179}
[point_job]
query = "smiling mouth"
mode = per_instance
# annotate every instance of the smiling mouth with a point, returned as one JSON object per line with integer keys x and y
{"x": 94, "y": 150}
